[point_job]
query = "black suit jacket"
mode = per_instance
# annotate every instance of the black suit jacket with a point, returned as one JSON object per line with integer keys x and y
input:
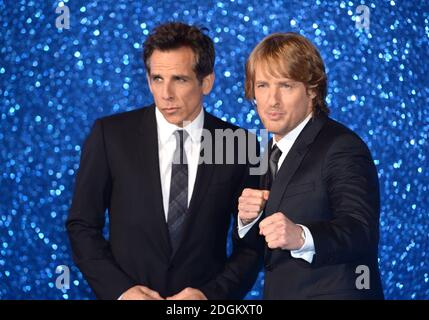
{"x": 119, "y": 171}
{"x": 327, "y": 182}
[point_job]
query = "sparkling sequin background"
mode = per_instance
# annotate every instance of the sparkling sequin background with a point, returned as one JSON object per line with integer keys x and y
{"x": 54, "y": 83}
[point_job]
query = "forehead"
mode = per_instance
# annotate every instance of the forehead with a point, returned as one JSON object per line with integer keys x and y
{"x": 271, "y": 68}
{"x": 181, "y": 60}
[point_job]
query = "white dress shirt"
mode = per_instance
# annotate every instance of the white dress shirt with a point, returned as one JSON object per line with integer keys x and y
{"x": 167, "y": 146}
{"x": 307, "y": 251}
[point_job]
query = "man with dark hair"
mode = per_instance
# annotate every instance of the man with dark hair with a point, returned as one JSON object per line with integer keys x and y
{"x": 177, "y": 35}
{"x": 169, "y": 213}
{"x": 318, "y": 205}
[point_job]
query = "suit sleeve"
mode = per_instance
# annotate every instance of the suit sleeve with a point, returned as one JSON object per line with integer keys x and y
{"x": 245, "y": 262}
{"x": 91, "y": 251}
{"x": 351, "y": 178}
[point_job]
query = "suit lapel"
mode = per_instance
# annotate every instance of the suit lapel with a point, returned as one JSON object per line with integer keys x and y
{"x": 204, "y": 173}
{"x": 148, "y": 147}
{"x": 292, "y": 162}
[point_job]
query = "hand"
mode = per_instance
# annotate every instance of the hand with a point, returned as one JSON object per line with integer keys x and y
{"x": 140, "y": 293}
{"x": 251, "y": 203}
{"x": 280, "y": 232}
{"x": 188, "y": 294}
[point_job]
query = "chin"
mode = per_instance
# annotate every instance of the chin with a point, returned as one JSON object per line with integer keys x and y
{"x": 178, "y": 121}
{"x": 273, "y": 128}
{"x": 277, "y": 131}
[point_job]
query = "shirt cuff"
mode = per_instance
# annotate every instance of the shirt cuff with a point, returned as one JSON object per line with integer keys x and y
{"x": 243, "y": 229}
{"x": 307, "y": 251}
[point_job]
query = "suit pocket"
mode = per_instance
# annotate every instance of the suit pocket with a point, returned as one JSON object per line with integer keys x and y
{"x": 295, "y": 189}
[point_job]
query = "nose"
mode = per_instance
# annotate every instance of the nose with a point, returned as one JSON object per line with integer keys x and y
{"x": 273, "y": 98}
{"x": 167, "y": 91}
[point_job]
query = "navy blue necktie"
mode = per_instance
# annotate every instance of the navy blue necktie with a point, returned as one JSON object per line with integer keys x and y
{"x": 178, "y": 202}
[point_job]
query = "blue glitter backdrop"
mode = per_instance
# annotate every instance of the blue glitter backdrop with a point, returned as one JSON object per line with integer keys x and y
{"x": 55, "y": 82}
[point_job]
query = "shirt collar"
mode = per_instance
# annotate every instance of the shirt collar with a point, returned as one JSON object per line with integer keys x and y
{"x": 166, "y": 129}
{"x": 291, "y": 136}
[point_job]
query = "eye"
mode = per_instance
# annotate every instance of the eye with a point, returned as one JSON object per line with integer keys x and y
{"x": 285, "y": 85}
{"x": 261, "y": 85}
{"x": 156, "y": 78}
{"x": 181, "y": 79}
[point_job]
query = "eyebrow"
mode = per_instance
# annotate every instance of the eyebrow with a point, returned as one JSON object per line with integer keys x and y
{"x": 182, "y": 76}
{"x": 288, "y": 81}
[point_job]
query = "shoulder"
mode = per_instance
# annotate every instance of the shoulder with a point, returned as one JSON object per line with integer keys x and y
{"x": 337, "y": 141}
{"x": 126, "y": 120}
{"x": 337, "y": 134}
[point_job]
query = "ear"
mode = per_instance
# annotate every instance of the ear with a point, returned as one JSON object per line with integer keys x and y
{"x": 207, "y": 84}
{"x": 312, "y": 92}
{"x": 148, "y": 82}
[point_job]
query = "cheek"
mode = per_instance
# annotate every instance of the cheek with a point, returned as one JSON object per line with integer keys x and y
{"x": 184, "y": 93}
{"x": 293, "y": 103}
{"x": 305, "y": 103}
{"x": 260, "y": 98}
{"x": 156, "y": 92}
{"x": 191, "y": 96}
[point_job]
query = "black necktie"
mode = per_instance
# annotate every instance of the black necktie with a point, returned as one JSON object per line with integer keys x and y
{"x": 178, "y": 202}
{"x": 273, "y": 161}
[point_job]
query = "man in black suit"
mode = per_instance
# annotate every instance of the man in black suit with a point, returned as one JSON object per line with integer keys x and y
{"x": 321, "y": 194}
{"x": 169, "y": 211}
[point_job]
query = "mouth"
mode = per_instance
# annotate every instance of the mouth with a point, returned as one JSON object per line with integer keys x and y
{"x": 170, "y": 110}
{"x": 274, "y": 115}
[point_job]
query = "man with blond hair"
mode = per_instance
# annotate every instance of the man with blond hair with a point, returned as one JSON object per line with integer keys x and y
{"x": 318, "y": 205}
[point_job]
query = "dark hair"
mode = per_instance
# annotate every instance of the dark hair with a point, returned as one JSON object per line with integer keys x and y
{"x": 174, "y": 35}
{"x": 292, "y": 56}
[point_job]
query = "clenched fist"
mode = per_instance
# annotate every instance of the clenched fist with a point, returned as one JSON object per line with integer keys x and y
{"x": 280, "y": 232}
{"x": 251, "y": 203}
